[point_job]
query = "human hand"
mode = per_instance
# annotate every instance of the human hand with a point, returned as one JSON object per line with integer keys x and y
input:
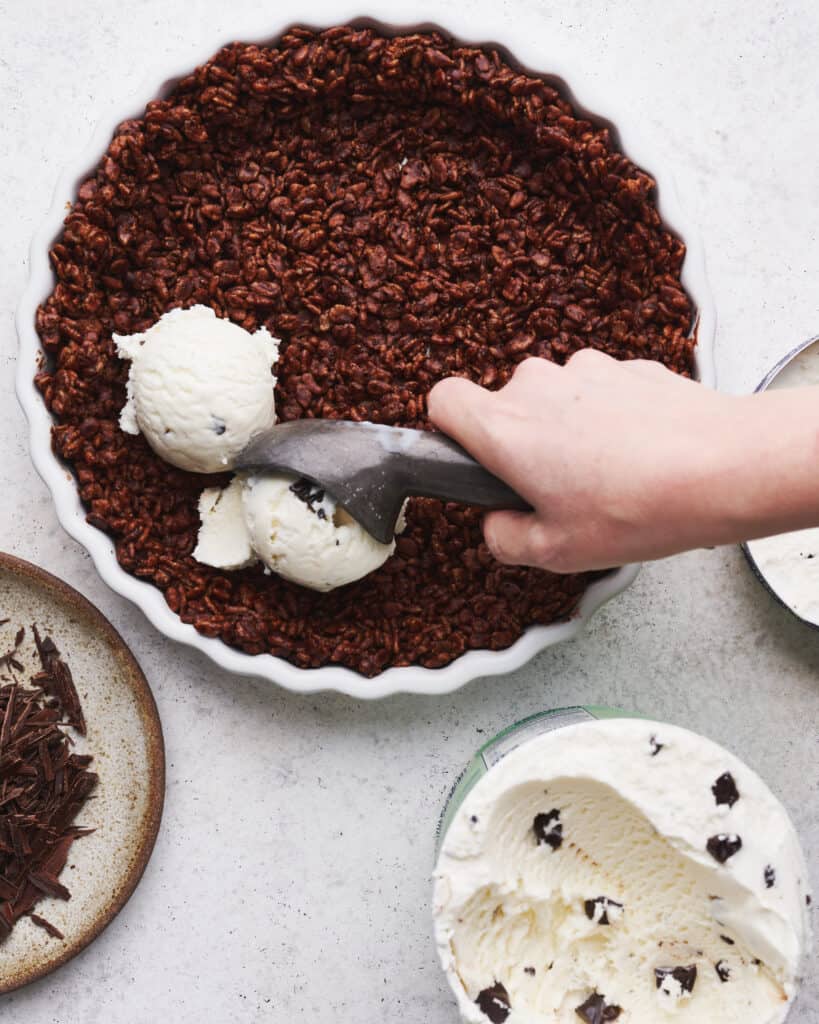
{"x": 626, "y": 461}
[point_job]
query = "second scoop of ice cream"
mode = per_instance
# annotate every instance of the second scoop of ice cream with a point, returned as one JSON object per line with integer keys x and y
{"x": 296, "y": 529}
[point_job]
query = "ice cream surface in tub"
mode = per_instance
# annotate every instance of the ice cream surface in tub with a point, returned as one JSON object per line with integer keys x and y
{"x": 621, "y": 870}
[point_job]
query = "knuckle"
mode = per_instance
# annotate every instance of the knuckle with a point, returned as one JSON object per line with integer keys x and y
{"x": 543, "y": 549}
{"x": 497, "y": 540}
{"x": 534, "y": 544}
{"x": 586, "y": 357}
{"x": 490, "y": 536}
{"x": 530, "y": 368}
{"x": 646, "y": 365}
{"x": 448, "y": 395}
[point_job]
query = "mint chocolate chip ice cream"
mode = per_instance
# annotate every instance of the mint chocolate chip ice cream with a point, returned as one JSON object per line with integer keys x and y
{"x": 199, "y": 387}
{"x": 621, "y": 870}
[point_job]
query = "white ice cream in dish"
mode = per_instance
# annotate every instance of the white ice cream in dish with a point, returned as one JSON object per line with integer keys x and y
{"x": 621, "y": 870}
{"x": 223, "y": 540}
{"x": 294, "y": 527}
{"x": 199, "y": 388}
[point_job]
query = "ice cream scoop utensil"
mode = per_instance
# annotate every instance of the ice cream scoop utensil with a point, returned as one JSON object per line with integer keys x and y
{"x": 370, "y": 468}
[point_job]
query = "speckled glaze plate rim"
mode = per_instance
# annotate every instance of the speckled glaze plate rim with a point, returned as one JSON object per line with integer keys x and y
{"x": 522, "y": 49}
{"x": 65, "y": 596}
{"x": 763, "y": 385}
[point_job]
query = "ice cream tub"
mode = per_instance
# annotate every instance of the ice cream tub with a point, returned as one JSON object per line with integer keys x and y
{"x": 788, "y": 563}
{"x": 597, "y": 865}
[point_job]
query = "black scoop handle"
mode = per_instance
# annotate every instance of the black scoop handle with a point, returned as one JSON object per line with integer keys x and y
{"x": 441, "y": 468}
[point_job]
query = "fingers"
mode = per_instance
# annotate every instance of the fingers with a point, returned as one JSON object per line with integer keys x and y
{"x": 461, "y": 409}
{"x": 496, "y": 427}
{"x": 520, "y": 538}
{"x": 592, "y": 363}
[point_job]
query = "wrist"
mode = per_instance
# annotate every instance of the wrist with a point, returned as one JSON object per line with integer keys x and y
{"x": 762, "y": 465}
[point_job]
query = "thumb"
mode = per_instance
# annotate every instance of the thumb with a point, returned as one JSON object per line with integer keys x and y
{"x": 520, "y": 538}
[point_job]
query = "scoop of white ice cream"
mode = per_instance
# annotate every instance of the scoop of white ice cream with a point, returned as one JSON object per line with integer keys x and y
{"x": 293, "y": 527}
{"x": 305, "y": 537}
{"x": 224, "y": 541}
{"x": 621, "y": 870}
{"x": 199, "y": 388}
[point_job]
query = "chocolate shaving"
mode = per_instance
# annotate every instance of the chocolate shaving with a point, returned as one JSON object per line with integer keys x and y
{"x": 723, "y": 971}
{"x": 598, "y": 909}
{"x": 8, "y": 659}
{"x": 311, "y": 494}
{"x": 41, "y": 922}
{"x": 57, "y": 681}
{"x": 548, "y": 829}
{"x": 43, "y": 785}
{"x": 595, "y": 1011}
{"x": 723, "y": 846}
{"x": 47, "y": 883}
{"x": 494, "y": 1003}
{"x": 686, "y": 977}
{"x": 725, "y": 790}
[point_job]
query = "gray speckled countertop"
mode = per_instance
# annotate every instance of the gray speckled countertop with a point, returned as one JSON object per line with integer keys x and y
{"x": 290, "y": 880}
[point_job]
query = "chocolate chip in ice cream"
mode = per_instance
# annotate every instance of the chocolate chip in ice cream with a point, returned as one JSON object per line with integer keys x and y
{"x": 723, "y": 846}
{"x": 494, "y": 1003}
{"x": 548, "y": 830}
{"x": 217, "y": 425}
{"x": 725, "y": 790}
{"x": 676, "y": 981}
{"x": 311, "y": 494}
{"x": 723, "y": 971}
{"x": 595, "y": 1011}
{"x": 770, "y": 877}
{"x": 656, "y": 746}
{"x": 727, "y": 939}
{"x": 602, "y": 910}
{"x": 530, "y": 971}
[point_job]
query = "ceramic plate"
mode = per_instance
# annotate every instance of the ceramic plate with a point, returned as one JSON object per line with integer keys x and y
{"x": 125, "y": 739}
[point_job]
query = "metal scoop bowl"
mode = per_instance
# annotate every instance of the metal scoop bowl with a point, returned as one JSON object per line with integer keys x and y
{"x": 370, "y": 468}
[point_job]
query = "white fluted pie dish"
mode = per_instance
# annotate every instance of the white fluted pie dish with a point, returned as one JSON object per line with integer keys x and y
{"x": 521, "y": 48}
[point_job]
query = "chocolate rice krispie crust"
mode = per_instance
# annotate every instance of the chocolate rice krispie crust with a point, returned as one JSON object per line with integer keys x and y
{"x": 397, "y": 210}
